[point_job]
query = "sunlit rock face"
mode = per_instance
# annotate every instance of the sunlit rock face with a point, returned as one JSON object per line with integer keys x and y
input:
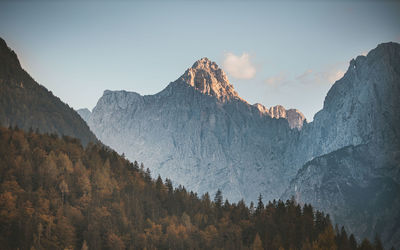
{"x": 294, "y": 117}
{"x": 261, "y": 108}
{"x": 359, "y": 184}
{"x": 207, "y": 78}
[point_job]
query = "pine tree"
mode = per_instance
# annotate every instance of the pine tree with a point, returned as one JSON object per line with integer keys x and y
{"x": 218, "y": 199}
{"x": 168, "y": 183}
{"x": 147, "y": 175}
{"x": 260, "y": 205}
{"x": 352, "y": 242}
{"x": 344, "y": 240}
{"x": 159, "y": 183}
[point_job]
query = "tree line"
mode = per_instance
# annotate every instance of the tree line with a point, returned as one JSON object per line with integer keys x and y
{"x": 57, "y": 194}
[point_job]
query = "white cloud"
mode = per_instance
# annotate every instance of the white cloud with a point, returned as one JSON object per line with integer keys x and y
{"x": 305, "y": 77}
{"x": 334, "y": 75}
{"x": 275, "y": 81}
{"x": 323, "y": 77}
{"x": 239, "y": 67}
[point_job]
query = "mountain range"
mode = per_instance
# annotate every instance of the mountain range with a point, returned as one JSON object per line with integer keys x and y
{"x": 355, "y": 138}
{"x": 56, "y": 193}
{"x": 200, "y": 133}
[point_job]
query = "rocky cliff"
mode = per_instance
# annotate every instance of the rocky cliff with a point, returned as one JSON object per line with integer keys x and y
{"x": 358, "y": 187}
{"x": 357, "y": 133}
{"x": 295, "y": 118}
{"x": 362, "y": 107}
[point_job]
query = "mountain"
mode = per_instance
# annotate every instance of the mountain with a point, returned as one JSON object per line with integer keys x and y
{"x": 201, "y": 134}
{"x": 357, "y": 136}
{"x": 84, "y": 113}
{"x": 28, "y": 105}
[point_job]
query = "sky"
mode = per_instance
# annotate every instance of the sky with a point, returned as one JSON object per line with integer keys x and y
{"x": 274, "y": 52}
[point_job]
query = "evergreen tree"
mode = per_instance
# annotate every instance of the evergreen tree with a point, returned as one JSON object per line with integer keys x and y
{"x": 147, "y": 175}
{"x": 168, "y": 184}
{"x": 343, "y": 240}
{"x": 260, "y": 204}
{"x": 159, "y": 183}
{"x": 352, "y": 242}
{"x": 218, "y": 198}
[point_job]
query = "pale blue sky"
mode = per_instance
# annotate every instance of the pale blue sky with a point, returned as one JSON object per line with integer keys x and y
{"x": 77, "y": 50}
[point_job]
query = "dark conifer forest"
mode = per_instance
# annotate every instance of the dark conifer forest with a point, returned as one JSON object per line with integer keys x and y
{"x": 56, "y": 194}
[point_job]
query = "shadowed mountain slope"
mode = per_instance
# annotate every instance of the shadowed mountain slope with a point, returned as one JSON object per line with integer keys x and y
{"x": 26, "y": 104}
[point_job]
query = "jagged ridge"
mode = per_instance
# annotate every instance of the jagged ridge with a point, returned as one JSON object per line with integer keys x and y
{"x": 295, "y": 118}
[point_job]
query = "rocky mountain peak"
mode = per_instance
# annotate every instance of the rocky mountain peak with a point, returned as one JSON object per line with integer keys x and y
{"x": 205, "y": 76}
{"x": 294, "y": 117}
{"x": 261, "y": 108}
{"x": 277, "y": 111}
{"x": 84, "y": 113}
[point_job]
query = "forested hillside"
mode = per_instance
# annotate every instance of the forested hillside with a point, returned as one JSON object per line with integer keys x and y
{"x": 26, "y": 104}
{"x": 55, "y": 194}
